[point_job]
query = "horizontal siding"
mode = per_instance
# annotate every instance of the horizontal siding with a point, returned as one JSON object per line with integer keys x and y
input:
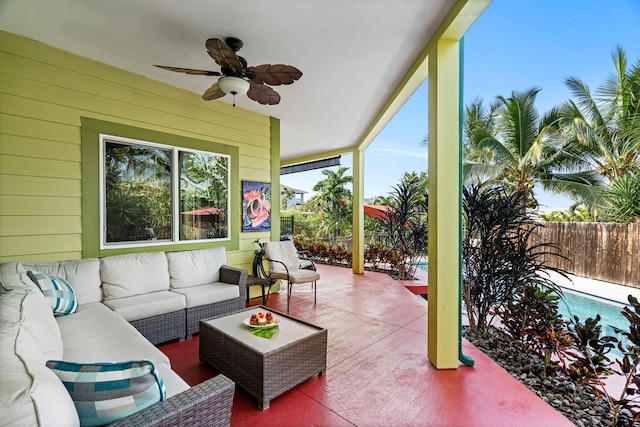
{"x": 32, "y": 147}
{"x": 44, "y": 93}
{"x": 29, "y": 246}
{"x": 17, "y": 185}
{"x": 35, "y": 226}
{"x": 40, "y": 206}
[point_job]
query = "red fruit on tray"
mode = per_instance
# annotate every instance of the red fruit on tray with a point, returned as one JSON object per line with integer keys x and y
{"x": 261, "y": 315}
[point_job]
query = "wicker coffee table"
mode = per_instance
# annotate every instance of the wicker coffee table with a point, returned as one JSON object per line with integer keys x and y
{"x": 264, "y": 367}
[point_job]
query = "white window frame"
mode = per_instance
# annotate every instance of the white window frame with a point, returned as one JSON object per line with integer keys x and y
{"x": 175, "y": 194}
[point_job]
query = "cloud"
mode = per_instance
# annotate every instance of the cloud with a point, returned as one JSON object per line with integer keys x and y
{"x": 415, "y": 153}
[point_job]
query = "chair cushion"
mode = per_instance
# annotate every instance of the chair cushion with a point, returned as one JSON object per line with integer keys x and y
{"x": 58, "y": 291}
{"x": 107, "y": 391}
{"x": 147, "y": 305}
{"x": 197, "y": 267}
{"x": 298, "y": 276}
{"x": 208, "y": 294}
{"x": 134, "y": 274}
{"x": 283, "y": 251}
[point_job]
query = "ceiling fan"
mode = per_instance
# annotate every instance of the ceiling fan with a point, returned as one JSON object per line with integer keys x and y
{"x": 236, "y": 78}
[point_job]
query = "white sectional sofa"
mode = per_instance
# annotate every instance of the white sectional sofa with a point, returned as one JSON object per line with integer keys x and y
{"x": 126, "y": 304}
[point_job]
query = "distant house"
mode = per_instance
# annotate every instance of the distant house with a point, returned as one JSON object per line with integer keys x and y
{"x": 296, "y": 200}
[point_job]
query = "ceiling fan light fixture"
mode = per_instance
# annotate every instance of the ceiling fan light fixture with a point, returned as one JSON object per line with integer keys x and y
{"x": 234, "y": 85}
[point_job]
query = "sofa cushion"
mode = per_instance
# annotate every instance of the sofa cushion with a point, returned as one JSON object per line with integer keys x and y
{"x": 95, "y": 334}
{"x": 37, "y": 319}
{"x": 83, "y": 274}
{"x": 134, "y": 274}
{"x": 197, "y": 267}
{"x": 208, "y": 294}
{"x": 147, "y": 305}
{"x": 58, "y": 292}
{"x": 10, "y": 275}
{"x": 30, "y": 394}
{"x": 173, "y": 383}
{"x": 108, "y": 391}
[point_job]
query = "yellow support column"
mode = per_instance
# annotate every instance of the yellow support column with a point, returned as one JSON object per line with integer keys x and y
{"x": 358, "y": 211}
{"x": 444, "y": 204}
{"x": 275, "y": 179}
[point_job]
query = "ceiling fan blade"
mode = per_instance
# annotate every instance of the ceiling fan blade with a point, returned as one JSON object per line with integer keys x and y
{"x": 276, "y": 74}
{"x": 224, "y": 55}
{"x": 214, "y": 92}
{"x": 263, "y": 94}
{"x": 189, "y": 71}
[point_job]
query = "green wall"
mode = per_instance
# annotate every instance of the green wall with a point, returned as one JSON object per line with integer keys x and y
{"x": 45, "y": 96}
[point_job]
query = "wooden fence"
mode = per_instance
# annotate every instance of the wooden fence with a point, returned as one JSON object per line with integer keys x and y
{"x": 603, "y": 251}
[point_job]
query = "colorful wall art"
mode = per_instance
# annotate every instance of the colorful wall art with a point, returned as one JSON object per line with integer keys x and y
{"x": 256, "y": 206}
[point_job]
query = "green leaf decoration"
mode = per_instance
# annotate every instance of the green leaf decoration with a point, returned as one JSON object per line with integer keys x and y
{"x": 264, "y": 332}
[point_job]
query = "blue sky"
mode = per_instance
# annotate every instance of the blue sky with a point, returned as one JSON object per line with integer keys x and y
{"x": 514, "y": 45}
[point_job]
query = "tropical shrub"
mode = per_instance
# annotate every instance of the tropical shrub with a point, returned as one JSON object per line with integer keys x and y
{"x": 629, "y": 365}
{"x": 533, "y": 322}
{"x": 498, "y": 261}
{"x": 406, "y": 224}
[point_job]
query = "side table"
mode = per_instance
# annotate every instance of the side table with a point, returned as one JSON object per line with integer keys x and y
{"x": 255, "y": 280}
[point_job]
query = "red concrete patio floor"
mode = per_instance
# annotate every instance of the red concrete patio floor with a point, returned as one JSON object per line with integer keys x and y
{"x": 378, "y": 372}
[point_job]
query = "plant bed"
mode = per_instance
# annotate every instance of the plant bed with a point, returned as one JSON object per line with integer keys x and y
{"x": 578, "y": 403}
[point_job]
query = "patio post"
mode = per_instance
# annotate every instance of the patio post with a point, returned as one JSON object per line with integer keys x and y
{"x": 444, "y": 203}
{"x": 275, "y": 179}
{"x": 358, "y": 212}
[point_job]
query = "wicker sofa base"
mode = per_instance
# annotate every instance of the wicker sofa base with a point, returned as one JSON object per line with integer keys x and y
{"x": 196, "y": 314}
{"x": 205, "y": 405}
{"x": 162, "y": 328}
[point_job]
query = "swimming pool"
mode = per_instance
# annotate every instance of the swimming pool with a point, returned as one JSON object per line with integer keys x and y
{"x": 423, "y": 266}
{"x": 584, "y": 306}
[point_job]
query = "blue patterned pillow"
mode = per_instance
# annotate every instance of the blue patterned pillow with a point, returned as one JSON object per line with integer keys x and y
{"x": 58, "y": 291}
{"x": 104, "y": 392}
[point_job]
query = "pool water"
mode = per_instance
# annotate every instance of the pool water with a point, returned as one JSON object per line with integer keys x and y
{"x": 423, "y": 266}
{"x": 584, "y": 306}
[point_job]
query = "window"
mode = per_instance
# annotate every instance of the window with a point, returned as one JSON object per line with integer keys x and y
{"x": 158, "y": 194}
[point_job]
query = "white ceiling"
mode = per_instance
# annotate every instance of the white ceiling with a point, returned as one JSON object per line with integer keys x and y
{"x": 353, "y": 53}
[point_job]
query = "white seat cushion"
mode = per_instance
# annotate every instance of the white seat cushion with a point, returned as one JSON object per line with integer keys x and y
{"x": 208, "y": 294}
{"x": 298, "y": 276}
{"x": 134, "y": 274}
{"x": 194, "y": 268}
{"x": 172, "y": 381}
{"x": 147, "y": 305}
{"x": 97, "y": 334}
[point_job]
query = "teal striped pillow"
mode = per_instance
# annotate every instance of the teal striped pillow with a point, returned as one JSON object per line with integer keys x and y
{"x": 104, "y": 392}
{"x": 58, "y": 291}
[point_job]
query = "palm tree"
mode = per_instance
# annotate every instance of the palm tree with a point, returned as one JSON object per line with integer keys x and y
{"x": 334, "y": 199}
{"x": 511, "y": 144}
{"x": 621, "y": 200}
{"x": 605, "y": 126}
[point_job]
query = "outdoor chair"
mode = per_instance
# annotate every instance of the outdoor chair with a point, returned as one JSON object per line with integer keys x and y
{"x": 284, "y": 264}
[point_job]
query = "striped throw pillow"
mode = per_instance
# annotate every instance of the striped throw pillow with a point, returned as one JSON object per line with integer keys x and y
{"x": 107, "y": 391}
{"x": 58, "y": 291}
